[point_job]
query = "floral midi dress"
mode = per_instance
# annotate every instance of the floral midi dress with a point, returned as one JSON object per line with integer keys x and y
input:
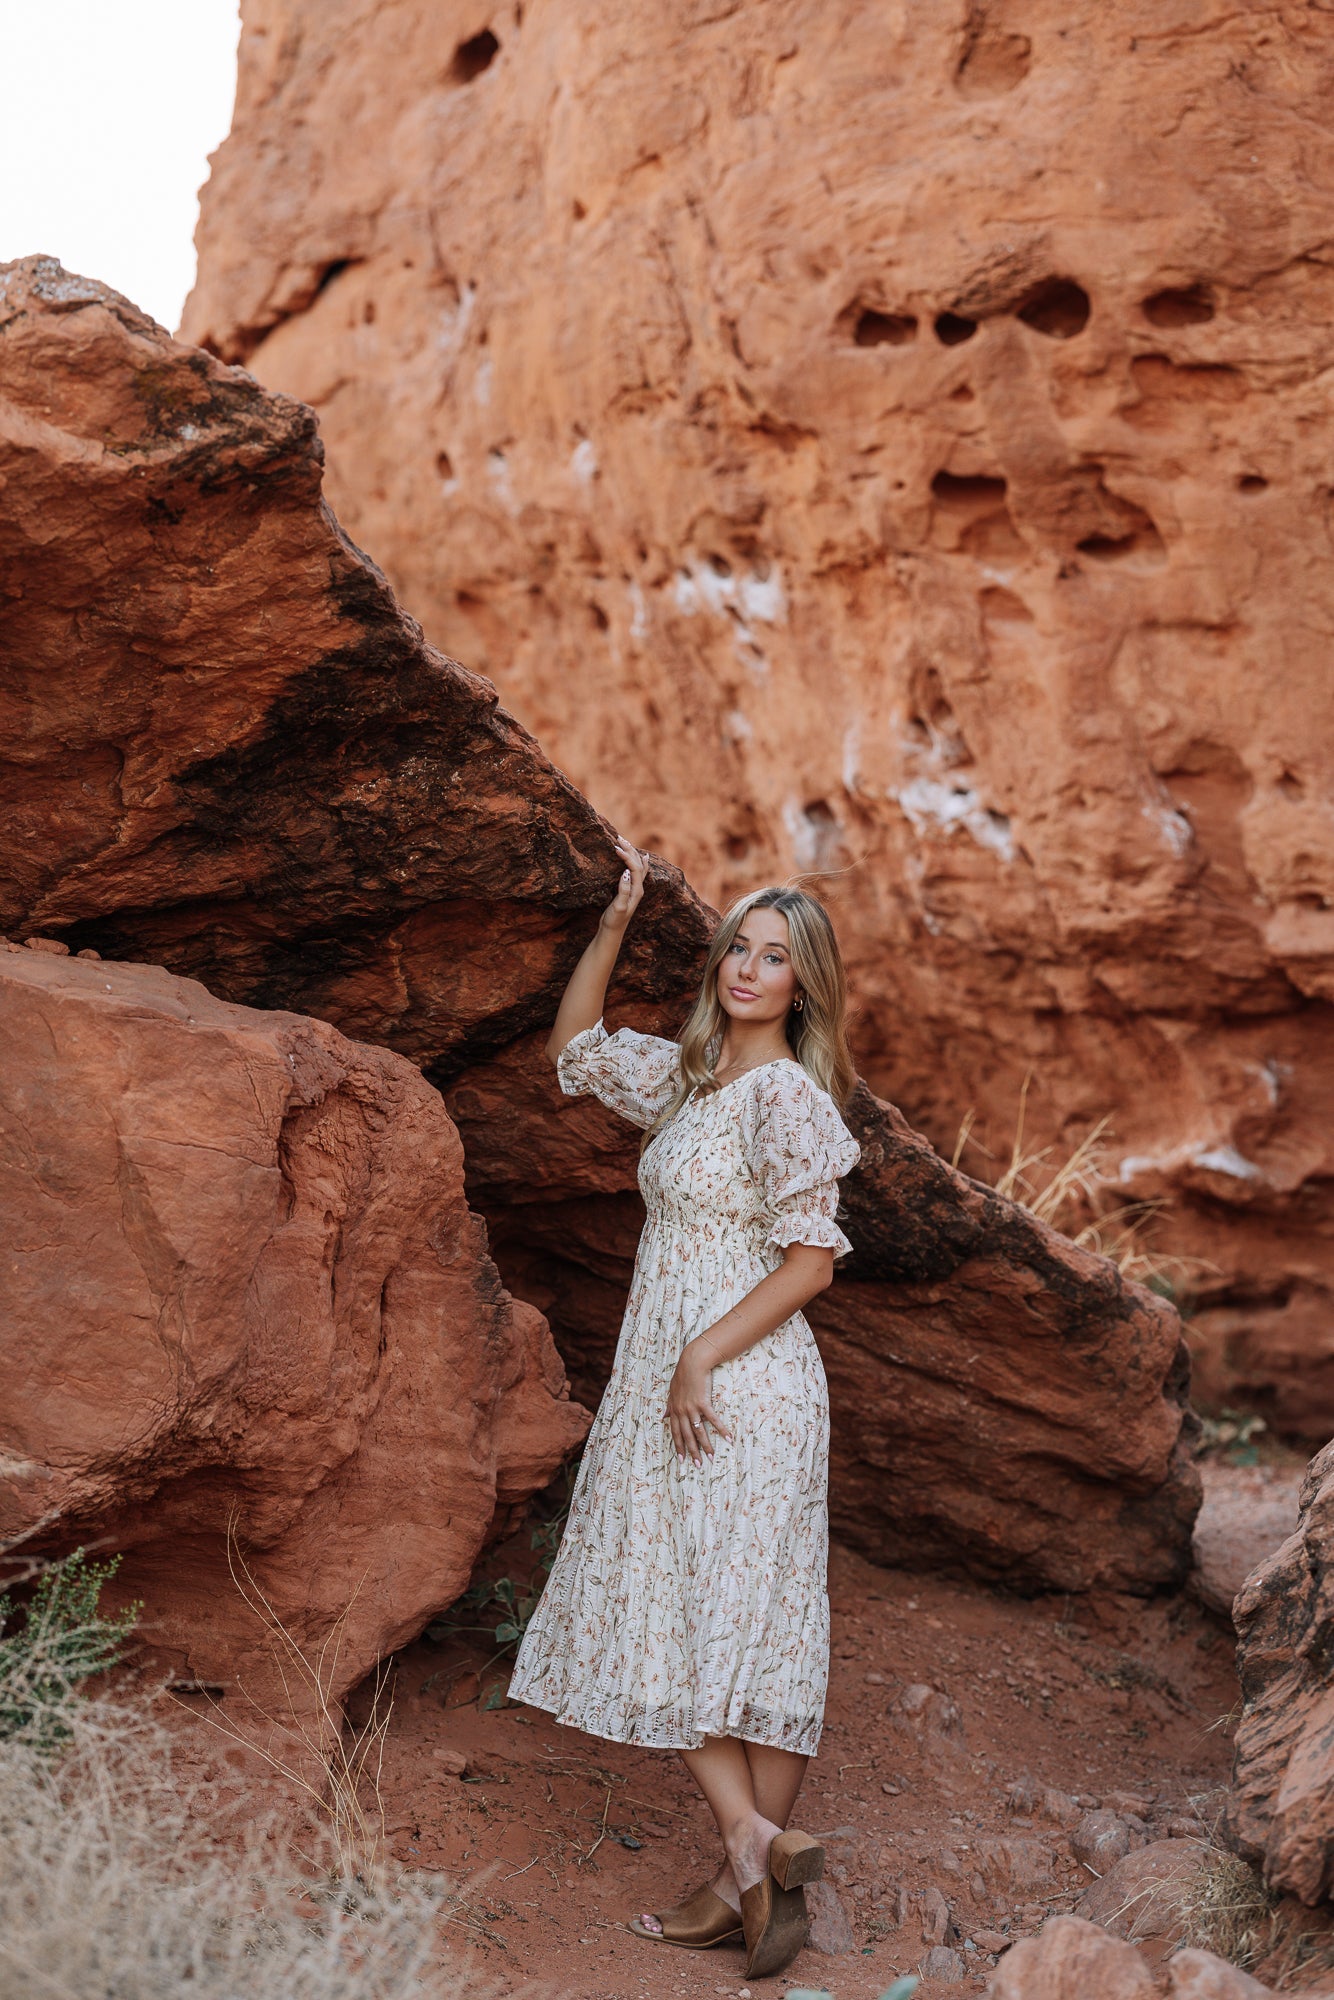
{"x": 687, "y": 1600}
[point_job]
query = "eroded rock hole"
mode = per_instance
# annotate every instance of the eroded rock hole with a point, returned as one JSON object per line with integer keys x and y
{"x": 953, "y": 490}
{"x": 952, "y": 329}
{"x": 1058, "y": 308}
{"x": 1005, "y": 607}
{"x": 473, "y": 56}
{"x": 444, "y": 465}
{"x": 332, "y": 271}
{"x": 1252, "y": 482}
{"x": 993, "y": 63}
{"x": 817, "y": 839}
{"x": 1188, "y": 305}
{"x": 872, "y": 328}
{"x": 1139, "y": 541}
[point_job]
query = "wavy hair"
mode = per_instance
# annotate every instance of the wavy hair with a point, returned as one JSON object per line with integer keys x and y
{"x": 816, "y": 1033}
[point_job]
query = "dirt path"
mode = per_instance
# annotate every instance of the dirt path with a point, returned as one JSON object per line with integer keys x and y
{"x": 956, "y": 1721}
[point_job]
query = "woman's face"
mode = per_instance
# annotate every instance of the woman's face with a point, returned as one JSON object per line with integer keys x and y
{"x": 755, "y": 977}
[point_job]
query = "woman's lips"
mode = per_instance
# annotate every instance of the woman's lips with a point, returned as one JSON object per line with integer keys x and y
{"x": 740, "y": 993}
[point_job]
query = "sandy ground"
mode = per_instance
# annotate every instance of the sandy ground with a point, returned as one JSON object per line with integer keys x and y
{"x": 954, "y": 1716}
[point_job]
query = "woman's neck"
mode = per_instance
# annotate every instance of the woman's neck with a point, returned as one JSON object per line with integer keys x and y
{"x": 745, "y": 1045}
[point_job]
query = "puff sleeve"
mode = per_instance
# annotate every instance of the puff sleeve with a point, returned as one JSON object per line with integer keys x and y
{"x": 798, "y": 1149}
{"x": 630, "y": 1073}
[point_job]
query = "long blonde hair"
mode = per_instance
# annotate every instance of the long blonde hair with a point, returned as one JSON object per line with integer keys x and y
{"x": 816, "y": 1032}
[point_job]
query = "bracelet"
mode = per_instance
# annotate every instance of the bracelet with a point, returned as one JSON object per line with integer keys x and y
{"x": 706, "y": 1341}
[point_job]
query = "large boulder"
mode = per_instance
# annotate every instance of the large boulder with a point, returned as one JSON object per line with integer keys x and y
{"x": 250, "y": 1333}
{"x": 1281, "y": 1808}
{"x": 890, "y": 440}
{"x": 224, "y": 748}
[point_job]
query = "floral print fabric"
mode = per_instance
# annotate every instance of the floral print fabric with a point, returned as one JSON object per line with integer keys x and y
{"x": 689, "y": 1600}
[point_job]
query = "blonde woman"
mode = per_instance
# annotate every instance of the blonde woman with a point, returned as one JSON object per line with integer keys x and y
{"x": 687, "y": 1608}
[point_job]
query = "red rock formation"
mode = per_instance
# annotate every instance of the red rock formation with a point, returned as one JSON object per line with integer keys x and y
{"x": 1247, "y": 1512}
{"x": 892, "y": 439}
{"x": 242, "y": 1285}
{"x": 227, "y": 750}
{"x": 1281, "y": 1810}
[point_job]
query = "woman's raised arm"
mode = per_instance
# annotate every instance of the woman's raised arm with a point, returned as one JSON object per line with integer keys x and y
{"x": 583, "y": 999}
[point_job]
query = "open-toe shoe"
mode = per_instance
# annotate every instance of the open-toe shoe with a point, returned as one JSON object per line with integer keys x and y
{"x": 701, "y": 1922}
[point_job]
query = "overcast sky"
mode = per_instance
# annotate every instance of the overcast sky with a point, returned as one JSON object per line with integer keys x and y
{"x": 111, "y": 108}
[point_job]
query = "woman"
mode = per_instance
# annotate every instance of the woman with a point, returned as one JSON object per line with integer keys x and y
{"x": 687, "y": 1608}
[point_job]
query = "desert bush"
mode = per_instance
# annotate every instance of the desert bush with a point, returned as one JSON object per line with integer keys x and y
{"x": 54, "y": 1643}
{"x": 111, "y": 1889}
{"x": 116, "y": 1882}
{"x": 1071, "y": 1195}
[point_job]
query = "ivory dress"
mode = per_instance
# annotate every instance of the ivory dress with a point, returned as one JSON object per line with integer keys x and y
{"x": 689, "y": 1600}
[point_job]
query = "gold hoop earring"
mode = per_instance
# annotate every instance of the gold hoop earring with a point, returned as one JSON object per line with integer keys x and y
{"x": 798, "y": 1003}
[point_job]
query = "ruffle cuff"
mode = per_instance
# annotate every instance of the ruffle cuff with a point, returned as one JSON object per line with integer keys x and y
{"x": 570, "y": 1064}
{"x": 817, "y": 1230}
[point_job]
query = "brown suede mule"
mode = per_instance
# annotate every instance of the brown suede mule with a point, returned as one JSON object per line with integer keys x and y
{"x": 701, "y": 1922}
{"x": 773, "y": 1911}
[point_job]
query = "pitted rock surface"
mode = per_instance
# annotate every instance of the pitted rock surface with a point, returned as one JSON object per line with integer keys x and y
{"x": 892, "y": 441}
{"x": 227, "y": 750}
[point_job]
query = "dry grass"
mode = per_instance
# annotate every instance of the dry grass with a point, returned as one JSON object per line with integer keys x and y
{"x": 110, "y": 1889}
{"x": 1220, "y": 1904}
{"x": 119, "y": 1880}
{"x": 332, "y": 1765}
{"x": 1226, "y": 1908}
{"x": 1061, "y": 1192}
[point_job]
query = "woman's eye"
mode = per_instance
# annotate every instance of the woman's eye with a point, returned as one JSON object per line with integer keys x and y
{"x": 739, "y": 950}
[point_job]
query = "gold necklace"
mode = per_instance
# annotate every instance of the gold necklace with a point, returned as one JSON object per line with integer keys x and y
{"x": 762, "y": 1064}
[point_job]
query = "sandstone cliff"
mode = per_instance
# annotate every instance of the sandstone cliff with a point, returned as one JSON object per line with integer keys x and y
{"x": 891, "y": 439}
{"x": 226, "y": 750}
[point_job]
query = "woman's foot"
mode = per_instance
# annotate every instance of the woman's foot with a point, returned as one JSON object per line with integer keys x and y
{"x": 699, "y": 1923}
{"x": 748, "y": 1846}
{"x": 723, "y": 1885}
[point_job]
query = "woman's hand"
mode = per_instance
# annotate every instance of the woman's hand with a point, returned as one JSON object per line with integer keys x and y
{"x": 689, "y": 1411}
{"x": 629, "y": 890}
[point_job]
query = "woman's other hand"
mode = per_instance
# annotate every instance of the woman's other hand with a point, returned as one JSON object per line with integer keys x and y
{"x": 629, "y": 890}
{"x": 690, "y": 1414}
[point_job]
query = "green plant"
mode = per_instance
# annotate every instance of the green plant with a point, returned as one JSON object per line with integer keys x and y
{"x": 514, "y": 1602}
{"x": 1231, "y": 1435}
{"x": 54, "y": 1643}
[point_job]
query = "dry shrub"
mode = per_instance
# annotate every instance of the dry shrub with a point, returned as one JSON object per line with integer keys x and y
{"x": 1060, "y": 1192}
{"x": 332, "y": 1765}
{"x": 111, "y": 1889}
{"x": 1226, "y": 1907}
